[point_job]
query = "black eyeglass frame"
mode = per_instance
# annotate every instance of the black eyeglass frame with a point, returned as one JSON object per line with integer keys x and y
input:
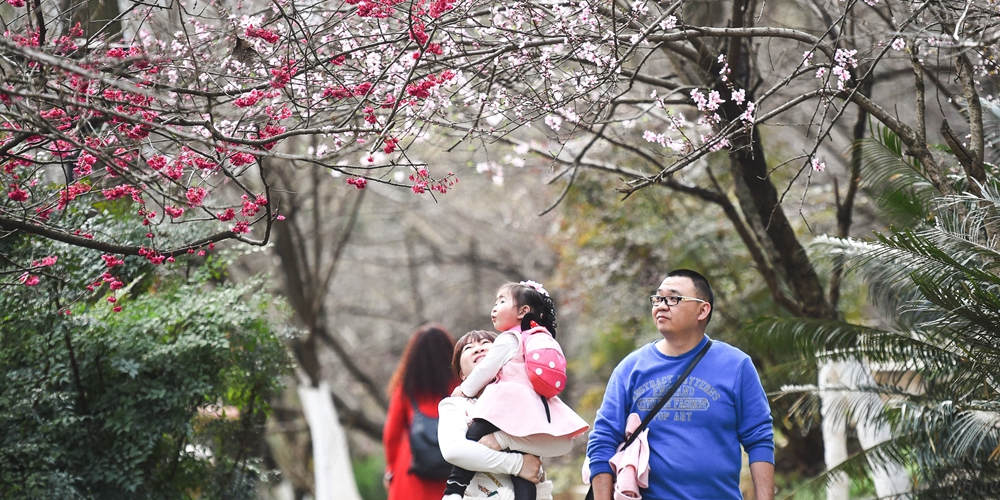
{"x": 655, "y": 300}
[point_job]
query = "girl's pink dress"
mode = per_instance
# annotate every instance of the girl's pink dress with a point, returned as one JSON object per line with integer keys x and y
{"x": 513, "y": 406}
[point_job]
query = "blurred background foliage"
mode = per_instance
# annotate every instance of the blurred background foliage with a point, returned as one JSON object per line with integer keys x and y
{"x": 165, "y": 399}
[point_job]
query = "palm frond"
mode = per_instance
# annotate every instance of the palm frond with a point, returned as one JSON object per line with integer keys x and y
{"x": 898, "y": 186}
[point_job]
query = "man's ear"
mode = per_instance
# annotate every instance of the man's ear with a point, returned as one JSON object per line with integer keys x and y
{"x": 703, "y": 313}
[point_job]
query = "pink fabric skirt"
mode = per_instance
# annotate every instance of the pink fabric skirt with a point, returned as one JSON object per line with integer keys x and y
{"x": 517, "y": 409}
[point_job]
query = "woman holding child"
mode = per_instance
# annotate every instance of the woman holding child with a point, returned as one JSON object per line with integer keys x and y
{"x": 549, "y": 431}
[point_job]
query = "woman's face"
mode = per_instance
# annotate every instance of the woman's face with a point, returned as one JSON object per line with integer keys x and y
{"x": 472, "y": 354}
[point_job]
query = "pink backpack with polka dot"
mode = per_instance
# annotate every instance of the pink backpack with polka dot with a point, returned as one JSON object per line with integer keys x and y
{"x": 544, "y": 360}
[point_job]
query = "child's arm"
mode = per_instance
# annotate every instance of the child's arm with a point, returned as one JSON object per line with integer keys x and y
{"x": 542, "y": 445}
{"x": 504, "y": 347}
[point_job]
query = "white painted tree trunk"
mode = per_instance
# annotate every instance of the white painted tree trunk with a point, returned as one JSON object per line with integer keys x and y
{"x": 331, "y": 457}
{"x": 834, "y": 430}
{"x": 891, "y": 479}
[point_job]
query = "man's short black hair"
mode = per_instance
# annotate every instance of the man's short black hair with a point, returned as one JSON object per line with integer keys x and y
{"x": 701, "y": 287}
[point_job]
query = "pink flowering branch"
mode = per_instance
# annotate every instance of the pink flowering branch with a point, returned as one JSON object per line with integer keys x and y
{"x": 94, "y": 244}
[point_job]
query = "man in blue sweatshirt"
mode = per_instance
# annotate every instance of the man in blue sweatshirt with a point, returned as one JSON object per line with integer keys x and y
{"x": 695, "y": 439}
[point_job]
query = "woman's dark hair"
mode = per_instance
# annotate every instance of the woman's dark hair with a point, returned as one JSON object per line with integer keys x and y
{"x": 464, "y": 340}
{"x": 423, "y": 370}
{"x": 540, "y": 304}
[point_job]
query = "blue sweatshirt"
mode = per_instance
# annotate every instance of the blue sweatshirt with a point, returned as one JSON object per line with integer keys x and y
{"x": 695, "y": 439}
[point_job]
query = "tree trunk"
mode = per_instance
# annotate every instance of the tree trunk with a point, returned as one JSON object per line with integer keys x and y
{"x": 331, "y": 456}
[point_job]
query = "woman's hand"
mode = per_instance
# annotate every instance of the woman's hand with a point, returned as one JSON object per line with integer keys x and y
{"x": 531, "y": 469}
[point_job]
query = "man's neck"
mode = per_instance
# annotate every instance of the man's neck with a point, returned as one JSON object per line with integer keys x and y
{"x": 676, "y": 345}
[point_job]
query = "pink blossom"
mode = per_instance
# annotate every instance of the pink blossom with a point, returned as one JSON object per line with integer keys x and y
{"x": 283, "y": 74}
{"x": 358, "y": 182}
{"x": 747, "y": 115}
{"x": 240, "y": 159}
{"x": 817, "y": 165}
{"x": 16, "y": 3}
{"x": 247, "y": 100}
{"x": 195, "y": 196}
{"x": 739, "y": 96}
{"x": 249, "y": 208}
{"x": 84, "y": 164}
{"x": 173, "y": 212}
{"x": 263, "y": 33}
{"x": 29, "y": 279}
{"x": 241, "y": 227}
{"x": 228, "y": 215}
{"x": 898, "y": 44}
{"x": 390, "y": 145}
{"x": 17, "y": 194}
{"x": 111, "y": 261}
{"x": 46, "y": 261}
{"x": 156, "y": 162}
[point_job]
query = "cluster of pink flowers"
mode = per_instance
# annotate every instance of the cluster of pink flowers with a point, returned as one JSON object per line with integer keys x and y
{"x": 227, "y": 215}
{"x": 17, "y": 194}
{"x": 252, "y": 206}
{"x": 283, "y": 74}
{"x": 28, "y": 279}
{"x": 173, "y": 212}
{"x": 378, "y": 9}
{"x": 845, "y": 62}
{"x": 262, "y": 33}
{"x": 122, "y": 190}
{"x": 69, "y": 193}
{"x": 251, "y": 98}
{"x": 422, "y": 89}
{"x": 195, "y": 196}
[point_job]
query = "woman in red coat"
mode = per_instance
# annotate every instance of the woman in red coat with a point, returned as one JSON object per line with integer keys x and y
{"x": 424, "y": 376}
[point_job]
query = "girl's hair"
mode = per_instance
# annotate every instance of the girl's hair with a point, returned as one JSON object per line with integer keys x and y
{"x": 464, "y": 340}
{"x": 423, "y": 369}
{"x": 539, "y": 303}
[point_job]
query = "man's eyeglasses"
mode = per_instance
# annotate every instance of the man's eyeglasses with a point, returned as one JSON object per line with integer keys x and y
{"x": 671, "y": 300}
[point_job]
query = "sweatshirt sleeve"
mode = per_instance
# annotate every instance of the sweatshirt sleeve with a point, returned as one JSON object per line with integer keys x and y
{"x": 469, "y": 455}
{"x": 755, "y": 428}
{"x": 609, "y": 424}
{"x": 504, "y": 348}
{"x": 396, "y": 425}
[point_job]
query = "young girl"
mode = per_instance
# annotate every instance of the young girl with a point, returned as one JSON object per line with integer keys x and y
{"x": 510, "y": 404}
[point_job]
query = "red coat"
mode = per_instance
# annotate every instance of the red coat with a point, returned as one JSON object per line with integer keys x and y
{"x": 396, "y": 442}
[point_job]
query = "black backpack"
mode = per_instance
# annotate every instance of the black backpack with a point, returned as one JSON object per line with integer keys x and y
{"x": 427, "y": 461}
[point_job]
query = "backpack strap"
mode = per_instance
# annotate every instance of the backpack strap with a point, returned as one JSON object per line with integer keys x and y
{"x": 666, "y": 397}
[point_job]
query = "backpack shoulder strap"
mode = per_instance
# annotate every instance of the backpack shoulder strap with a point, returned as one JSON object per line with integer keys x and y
{"x": 666, "y": 397}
